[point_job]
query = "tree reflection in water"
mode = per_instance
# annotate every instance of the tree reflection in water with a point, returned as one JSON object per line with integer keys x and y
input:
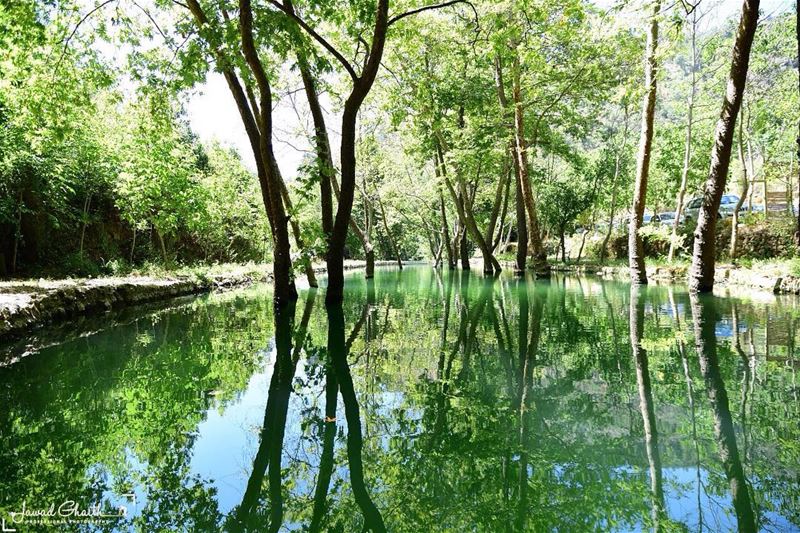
{"x": 646, "y": 402}
{"x": 704, "y": 315}
{"x": 429, "y": 401}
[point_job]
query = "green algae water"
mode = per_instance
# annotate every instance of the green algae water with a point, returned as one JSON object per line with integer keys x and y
{"x": 430, "y": 401}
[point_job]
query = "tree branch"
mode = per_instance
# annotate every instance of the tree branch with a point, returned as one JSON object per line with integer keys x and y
{"x": 75, "y": 29}
{"x": 433, "y": 6}
{"x": 317, "y": 37}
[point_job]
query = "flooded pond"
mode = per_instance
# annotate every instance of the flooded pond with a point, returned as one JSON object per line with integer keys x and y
{"x": 432, "y": 401}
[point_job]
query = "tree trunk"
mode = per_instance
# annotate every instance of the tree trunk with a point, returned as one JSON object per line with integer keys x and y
{"x": 538, "y": 254}
{"x": 361, "y": 87}
{"x": 635, "y": 245}
{"x": 298, "y": 237}
{"x": 451, "y": 260}
{"x": 258, "y": 126}
{"x": 592, "y": 220}
{"x": 17, "y": 234}
{"x": 86, "y": 204}
{"x": 497, "y": 206}
{"x": 612, "y": 211}
{"x": 561, "y": 240}
{"x": 703, "y": 261}
{"x": 495, "y": 241}
{"x": 354, "y": 227}
{"x": 687, "y": 155}
{"x": 614, "y": 185}
{"x": 389, "y": 236}
{"x": 743, "y": 193}
{"x": 327, "y": 172}
{"x": 463, "y": 250}
{"x": 133, "y": 244}
{"x": 797, "y": 29}
{"x": 521, "y": 223}
{"x": 467, "y": 220}
{"x": 369, "y": 272}
{"x": 325, "y": 166}
{"x": 162, "y": 245}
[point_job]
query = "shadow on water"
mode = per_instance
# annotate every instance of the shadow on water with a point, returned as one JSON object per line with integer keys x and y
{"x": 429, "y": 400}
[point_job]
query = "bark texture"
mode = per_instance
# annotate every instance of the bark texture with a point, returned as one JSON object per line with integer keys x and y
{"x": 701, "y": 276}
{"x": 537, "y": 251}
{"x": 635, "y": 245}
{"x": 258, "y": 127}
{"x": 361, "y": 87}
{"x": 687, "y": 154}
{"x": 744, "y": 185}
{"x": 797, "y": 30}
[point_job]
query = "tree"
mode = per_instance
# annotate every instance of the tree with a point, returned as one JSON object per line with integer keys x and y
{"x": 701, "y": 277}
{"x": 635, "y": 244}
{"x": 562, "y": 200}
{"x": 687, "y": 154}
{"x": 797, "y": 30}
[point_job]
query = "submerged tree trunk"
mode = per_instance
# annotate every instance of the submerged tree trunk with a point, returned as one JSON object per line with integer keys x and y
{"x": 451, "y": 260}
{"x": 701, "y": 276}
{"x": 361, "y": 87}
{"x": 463, "y": 250}
{"x": 298, "y": 237}
{"x": 635, "y": 245}
{"x": 742, "y": 194}
{"x": 389, "y": 236}
{"x": 258, "y": 126}
{"x": 537, "y": 251}
{"x": 466, "y": 218}
{"x": 687, "y": 155}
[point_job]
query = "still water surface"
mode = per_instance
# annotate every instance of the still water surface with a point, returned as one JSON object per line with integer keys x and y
{"x": 432, "y": 401}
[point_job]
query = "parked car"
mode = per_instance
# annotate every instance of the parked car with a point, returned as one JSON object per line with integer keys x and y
{"x": 726, "y": 207}
{"x": 757, "y": 207}
{"x": 668, "y": 218}
{"x": 650, "y": 218}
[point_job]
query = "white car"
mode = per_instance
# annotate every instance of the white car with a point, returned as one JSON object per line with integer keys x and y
{"x": 726, "y": 207}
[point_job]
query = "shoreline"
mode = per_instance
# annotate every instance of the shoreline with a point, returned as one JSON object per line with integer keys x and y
{"x": 28, "y": 305}
{"x": 724, "y": 276}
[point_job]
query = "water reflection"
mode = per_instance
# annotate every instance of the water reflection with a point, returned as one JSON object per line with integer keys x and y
{"x": 705, "y": 318}
{"x": 429, "y": 401}
{"x": 646, "y": 405}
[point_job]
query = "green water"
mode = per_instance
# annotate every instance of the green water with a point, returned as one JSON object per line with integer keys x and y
{"x": 432, "y": 401}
